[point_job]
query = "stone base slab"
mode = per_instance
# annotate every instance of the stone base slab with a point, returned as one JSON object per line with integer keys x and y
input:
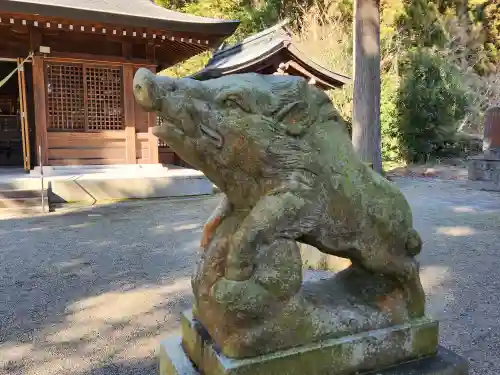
{"x": 484, "y": 174}
{"x": 174, "y": 361}
{"x": 482, "y": 185}
{"x": 337, "y": 356}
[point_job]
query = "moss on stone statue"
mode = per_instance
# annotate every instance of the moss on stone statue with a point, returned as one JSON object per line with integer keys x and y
{"x": 279, "y": 151}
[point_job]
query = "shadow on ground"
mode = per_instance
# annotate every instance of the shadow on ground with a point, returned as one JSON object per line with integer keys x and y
{"x": 143, "y": 366}
{"x": 92, "y": 292}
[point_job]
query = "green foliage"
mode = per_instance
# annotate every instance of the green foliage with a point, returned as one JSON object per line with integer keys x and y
{"x": 429, "y": 94}
{"x": 422, "y": 96}
{"x": 419, "y": 24}
{"x": 253, "y": 17}
{"x": 177, "y": 5}
{"x": 188, "y": 67}
{"x": 491, "y": 24}
{"x": 342, "y": 99}
{"x": 421, "y": 108}
{"x": 424, "y": 99}
{"x": 484, "y": 39}
{"x": 389, "y": 117}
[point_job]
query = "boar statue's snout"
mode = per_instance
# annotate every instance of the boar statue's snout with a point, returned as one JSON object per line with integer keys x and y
{"x": 143, "y": 84}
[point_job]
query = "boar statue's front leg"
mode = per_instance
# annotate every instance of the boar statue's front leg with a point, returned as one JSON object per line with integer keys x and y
{"x": 213, "y": 222}
{"x": 263, "y": 264}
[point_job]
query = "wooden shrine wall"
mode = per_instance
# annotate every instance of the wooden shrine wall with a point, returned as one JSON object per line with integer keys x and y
{"x": 86, "y": 114}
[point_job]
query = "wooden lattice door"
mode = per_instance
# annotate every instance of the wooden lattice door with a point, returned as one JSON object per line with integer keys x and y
{"x": 65, "y": 97}
{"x": 84, "y": 97}
{"x": 104, "y": 98}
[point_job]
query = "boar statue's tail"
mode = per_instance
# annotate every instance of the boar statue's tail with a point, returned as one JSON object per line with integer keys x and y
{"x": 413, "y": 242}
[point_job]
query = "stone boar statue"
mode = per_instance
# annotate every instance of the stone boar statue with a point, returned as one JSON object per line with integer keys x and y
{"x": 281, "y": 154}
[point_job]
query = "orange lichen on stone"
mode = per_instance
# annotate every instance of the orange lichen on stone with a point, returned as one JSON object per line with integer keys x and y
{"x": 208, "y": 231}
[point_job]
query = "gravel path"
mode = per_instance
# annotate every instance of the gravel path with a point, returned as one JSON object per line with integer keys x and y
{"x": 92, "y": 292}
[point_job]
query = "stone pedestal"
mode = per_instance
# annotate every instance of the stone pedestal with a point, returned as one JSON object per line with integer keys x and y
{"x": 407, "y": 349}
{"x": 484, "y": 172}
{"x": 484, "y": 169}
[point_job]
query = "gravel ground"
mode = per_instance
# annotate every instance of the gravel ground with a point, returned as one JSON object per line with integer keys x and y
{"x": 92, "y": 292}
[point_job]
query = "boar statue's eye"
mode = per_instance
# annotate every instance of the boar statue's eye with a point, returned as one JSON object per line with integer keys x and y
{"x": 231, "y": 103}
{"x": 234, "y": 101}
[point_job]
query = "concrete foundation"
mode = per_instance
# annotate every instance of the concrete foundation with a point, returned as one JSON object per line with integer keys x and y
{"x": 93, "y": 184}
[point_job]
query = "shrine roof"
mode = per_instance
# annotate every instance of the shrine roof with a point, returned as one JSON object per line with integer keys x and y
{"x": 139, "y": 13}
{"x": 275, "y": 43}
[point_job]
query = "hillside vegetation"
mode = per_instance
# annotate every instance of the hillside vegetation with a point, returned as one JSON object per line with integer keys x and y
{"x": 440, "y": 62}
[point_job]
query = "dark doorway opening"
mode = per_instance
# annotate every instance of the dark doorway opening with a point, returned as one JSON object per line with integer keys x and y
{"x": 12, "y": 153}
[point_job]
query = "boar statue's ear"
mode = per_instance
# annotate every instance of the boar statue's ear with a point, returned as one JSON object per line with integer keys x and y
{"x": 298, "y": 110}
{"x": 296, "y": 117}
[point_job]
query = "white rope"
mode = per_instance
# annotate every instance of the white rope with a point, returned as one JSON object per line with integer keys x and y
{"x": 3, "y": 81}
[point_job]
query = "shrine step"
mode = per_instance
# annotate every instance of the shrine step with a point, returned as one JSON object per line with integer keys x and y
{"x": 23, "y": 200}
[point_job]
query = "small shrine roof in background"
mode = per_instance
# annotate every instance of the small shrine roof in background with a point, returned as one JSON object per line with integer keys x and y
{"x": 271, "y": 51}
{"x": 136, "y": 13}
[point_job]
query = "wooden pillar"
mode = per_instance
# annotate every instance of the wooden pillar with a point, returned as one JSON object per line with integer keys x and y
{"x": 40, "y": 101}
{"x": 366, "y": 99}
{"x": 128, "y": 109}
{"x": 154, "y": 157}
{"x": 35, "y": 38}
{"x": 153, "y": 141}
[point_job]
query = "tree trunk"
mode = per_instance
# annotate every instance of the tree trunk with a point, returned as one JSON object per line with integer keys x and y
{"x": 366, "y": 104}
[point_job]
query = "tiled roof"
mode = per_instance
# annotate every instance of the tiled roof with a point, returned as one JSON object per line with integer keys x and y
{"x": 137, "y": 13}
{"x": 250, "y": 52}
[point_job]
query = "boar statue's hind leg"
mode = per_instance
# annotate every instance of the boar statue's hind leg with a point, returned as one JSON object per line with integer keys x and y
{"x": 405, "y": 269}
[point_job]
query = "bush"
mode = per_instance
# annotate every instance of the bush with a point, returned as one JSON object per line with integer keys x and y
{"x": 422, "y": 109}
{"x": 389, "y": 117}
